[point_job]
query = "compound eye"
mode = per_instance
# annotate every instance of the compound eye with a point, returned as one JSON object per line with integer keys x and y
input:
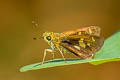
{"x": 48, "y": 38}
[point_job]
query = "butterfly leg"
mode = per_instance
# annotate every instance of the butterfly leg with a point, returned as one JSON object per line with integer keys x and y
{"x": 45, "y": 52}
{"x": 61, "y": 53}
{"x": 53, "y": 55}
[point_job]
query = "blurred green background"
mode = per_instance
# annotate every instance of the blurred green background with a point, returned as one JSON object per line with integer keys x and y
{"x": 17, "y": 48}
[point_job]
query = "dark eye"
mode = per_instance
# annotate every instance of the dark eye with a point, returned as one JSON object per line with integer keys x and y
{"x": 48, "y": 38}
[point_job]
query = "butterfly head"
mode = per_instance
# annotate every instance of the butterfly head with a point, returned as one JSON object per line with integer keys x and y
{"x": 51, "y": 38}
{"x": 47, "y": 36}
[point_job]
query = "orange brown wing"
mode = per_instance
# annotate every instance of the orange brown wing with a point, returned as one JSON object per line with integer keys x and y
{"x": 92, "y": 30}
{"x": 87, "y": 44}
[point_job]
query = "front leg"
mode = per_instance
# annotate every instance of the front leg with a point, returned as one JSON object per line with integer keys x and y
{"x": 45, "y": 52}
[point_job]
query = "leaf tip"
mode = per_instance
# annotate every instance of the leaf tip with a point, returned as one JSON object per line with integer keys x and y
{"x": 22, "y": 69}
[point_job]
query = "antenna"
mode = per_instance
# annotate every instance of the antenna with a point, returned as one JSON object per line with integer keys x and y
{"x": 35, "y": 24}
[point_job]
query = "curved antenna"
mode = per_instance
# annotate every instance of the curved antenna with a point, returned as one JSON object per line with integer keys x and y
{"x": 35, "y": 25}
{"x": 35, "y": 38}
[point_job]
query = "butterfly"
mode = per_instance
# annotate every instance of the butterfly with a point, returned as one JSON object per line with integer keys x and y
{"x": 83, "y": 42}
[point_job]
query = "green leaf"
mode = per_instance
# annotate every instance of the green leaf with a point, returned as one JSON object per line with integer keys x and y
{"x": 109, "y": 52}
